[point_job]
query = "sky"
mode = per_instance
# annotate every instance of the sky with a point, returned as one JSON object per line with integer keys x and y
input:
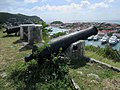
{"x": 64, "y": 10}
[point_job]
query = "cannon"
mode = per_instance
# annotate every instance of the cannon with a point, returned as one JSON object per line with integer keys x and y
{"x": 53, "y": 46}
{"x": 11, "y": 30}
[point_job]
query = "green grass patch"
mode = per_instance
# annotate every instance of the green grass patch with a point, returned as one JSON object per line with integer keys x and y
{"x": 95, "y": 77}
{"x": 94, "y": 55}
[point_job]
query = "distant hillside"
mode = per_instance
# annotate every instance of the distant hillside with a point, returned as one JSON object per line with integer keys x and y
{"x": 56, "y": 22}
{"x": 16, "y": 19}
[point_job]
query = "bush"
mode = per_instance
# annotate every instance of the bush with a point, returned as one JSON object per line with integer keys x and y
{"x": 50, "y": 75}
{"x": 105, "y": 52}
{"x": 58, "y": 34}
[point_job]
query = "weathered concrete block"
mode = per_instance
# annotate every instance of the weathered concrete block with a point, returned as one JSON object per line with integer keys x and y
{"x": 76, "y": 50}
{"x": 32, "y": 33}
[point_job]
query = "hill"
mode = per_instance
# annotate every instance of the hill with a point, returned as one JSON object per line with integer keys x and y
{"x": 16, "y": 19}
{"x": 56, "y": 22}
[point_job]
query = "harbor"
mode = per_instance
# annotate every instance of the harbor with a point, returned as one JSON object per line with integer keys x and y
{"x": 98, "y": 44}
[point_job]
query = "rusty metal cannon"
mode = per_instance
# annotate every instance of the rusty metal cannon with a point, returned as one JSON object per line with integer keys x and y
{"x": 63, "y": 42}
{"x": 11, "y": 30}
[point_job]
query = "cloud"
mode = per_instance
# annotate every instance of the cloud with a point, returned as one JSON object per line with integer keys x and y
{"x": 99, "y": 5}
{"x": 30, "y": 1}
{"x": 85, "y": 3}
{"x": 104, "y": 4}
{"x": 68, "y": 0}
{"x": 109, "y": 1}
{"x": 72, "y": 6}
{"x": 58, "y": 8}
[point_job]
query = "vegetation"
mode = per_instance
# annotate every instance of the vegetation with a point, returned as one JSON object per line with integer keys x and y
{"x": 16, "y": 74}
{"x": 57, "y": 22}
{"x": 106, "y": 55}
{"x": 45, "y": 32}
{"x": 16, "y": 19}
{"x": 52, "y": 74}
{"x": 58, "y": 34}
{"x": 95, "y": 77}
{"x": 107, "y": 52}
{"x": 1, "y": 27}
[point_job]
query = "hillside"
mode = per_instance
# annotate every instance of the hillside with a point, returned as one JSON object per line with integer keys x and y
{"x": 56, "y": 22}
{"x": 16, "y": 19}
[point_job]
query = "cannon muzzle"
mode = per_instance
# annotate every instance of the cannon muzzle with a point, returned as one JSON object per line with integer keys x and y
{"x": 44, "y": 51}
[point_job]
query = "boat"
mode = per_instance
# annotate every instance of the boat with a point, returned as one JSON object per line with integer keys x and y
{"x": 104, "y": 39}
{"x": 118, "y": 40}
{"x": 96, "y": 37}
{"x": 90, "y": 38}
{"x": 113, "y": 40}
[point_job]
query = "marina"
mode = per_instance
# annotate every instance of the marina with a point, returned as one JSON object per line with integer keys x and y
{"x": 98, "y": 43}
{"x": 57, "y": 30}
{"x": 101, "y": 42}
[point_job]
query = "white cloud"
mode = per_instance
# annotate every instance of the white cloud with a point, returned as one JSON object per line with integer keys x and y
{"x": 85, "y": 3}
{"x": 104, "y": 4}
{"x": 99, "y": 5}
{"x": 30, "y": 1}
{"x": 72, "y": 6}
{"x": 109, "y": 1}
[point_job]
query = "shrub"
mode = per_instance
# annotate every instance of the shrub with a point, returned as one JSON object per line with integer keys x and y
{"x": 105, "y": 52}
{"x": 50, "y": 75}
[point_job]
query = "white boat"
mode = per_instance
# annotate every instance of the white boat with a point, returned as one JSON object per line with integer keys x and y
{"x": 113, "y": 40}
{"x": 118, "y": 40}
{"x": 104, "y": 39}
{"x": 96, "y": 37}
{"x": 90, "y": 38}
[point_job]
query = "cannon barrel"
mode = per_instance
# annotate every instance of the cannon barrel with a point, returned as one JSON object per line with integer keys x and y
{"x": 63, "y": 42}
{"x": 10, "y": 30}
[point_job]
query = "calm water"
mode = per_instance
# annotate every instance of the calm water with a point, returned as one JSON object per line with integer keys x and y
{"x": 56, "y": 30}
{"x": 98, "y": 43}
{"x": 99, "y": 21}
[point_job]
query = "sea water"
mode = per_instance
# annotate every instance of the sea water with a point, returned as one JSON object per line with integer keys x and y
{"x": 98, "y": 43}
{"x": 56, "y": 30}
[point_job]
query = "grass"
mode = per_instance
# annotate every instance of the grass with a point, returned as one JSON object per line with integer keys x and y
{"x": 94, "y": 55}
{"x": 95, "y": 77}
{"x": 14, "y": 71}
{"x": 15, "y": 74}
{"x": 10, "y": 56}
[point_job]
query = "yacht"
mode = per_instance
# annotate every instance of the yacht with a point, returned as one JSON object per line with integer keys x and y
{"x": 96, "y": 37}
{"x": 113, "y": 40}
{"x": 90, "y": 38}
{"x": 104, "y": 39}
